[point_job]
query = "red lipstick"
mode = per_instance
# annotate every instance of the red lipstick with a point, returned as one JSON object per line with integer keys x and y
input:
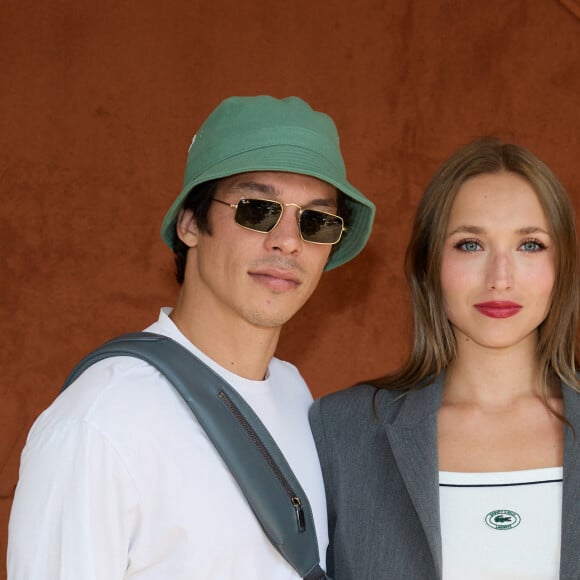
{"x": 498, "y": 309}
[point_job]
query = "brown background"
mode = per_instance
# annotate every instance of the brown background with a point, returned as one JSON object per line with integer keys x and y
{"x": 99, "y": 101}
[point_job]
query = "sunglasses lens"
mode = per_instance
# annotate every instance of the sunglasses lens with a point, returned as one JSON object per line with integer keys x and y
{"x": 320, "y": 227}
{"x": 258, "y": 214}
{"x": 262, "y": 215}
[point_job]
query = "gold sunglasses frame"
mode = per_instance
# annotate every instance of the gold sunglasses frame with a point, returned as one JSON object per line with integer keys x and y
{"x": 283, "y": 206}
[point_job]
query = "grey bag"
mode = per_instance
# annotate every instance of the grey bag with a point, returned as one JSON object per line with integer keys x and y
{"x": 261, "y": 470}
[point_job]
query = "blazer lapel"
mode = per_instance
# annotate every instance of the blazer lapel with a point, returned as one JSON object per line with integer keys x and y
{"x": 413, "y": 439}
{"x": 569, "y": 560}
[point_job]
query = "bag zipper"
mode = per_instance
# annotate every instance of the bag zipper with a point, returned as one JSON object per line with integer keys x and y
{"x": 295, "y": 500}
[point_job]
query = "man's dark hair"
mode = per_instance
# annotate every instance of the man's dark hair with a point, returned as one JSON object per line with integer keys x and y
{"x": 198, "y": 201}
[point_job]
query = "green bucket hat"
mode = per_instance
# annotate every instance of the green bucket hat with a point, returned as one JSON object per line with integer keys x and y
{"x": 266, "y": 134}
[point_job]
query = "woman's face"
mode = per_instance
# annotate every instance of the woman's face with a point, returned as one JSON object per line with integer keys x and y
{"x": 497, "y": 263}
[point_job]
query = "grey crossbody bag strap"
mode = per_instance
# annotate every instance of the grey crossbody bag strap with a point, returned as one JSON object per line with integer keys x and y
{"x": 253, "y": 457}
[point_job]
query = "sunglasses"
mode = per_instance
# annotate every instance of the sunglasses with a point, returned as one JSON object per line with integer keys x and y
{"x": 263, "y": 215}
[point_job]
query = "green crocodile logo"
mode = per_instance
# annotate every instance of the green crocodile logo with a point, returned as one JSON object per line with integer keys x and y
{"x": 503, "y": 519}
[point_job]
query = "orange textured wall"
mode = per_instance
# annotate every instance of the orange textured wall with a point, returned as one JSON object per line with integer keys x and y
{"x": 98, "y": 105}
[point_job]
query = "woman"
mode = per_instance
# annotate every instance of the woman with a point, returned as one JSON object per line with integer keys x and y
{"x": 464, "y": 464}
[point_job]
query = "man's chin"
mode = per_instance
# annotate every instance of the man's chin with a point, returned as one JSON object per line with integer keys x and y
{"x": 268, "y": 320}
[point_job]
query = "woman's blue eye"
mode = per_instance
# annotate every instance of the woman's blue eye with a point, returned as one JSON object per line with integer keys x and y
{"x": 469, "y": 246}
{"x": 532, "y": 246}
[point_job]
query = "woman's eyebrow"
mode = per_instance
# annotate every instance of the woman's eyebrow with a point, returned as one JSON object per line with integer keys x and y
{"x": 467, "y": 230}
{"x": 528, "y": 230}
{"x": 533, "y": 230}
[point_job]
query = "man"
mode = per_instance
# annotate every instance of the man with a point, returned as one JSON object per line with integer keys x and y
{"x": 118, "y": 479}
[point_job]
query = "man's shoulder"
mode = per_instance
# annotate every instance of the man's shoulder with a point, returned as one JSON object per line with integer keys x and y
{"x": 287, "y": 375}
{"x": 283, "y": 367}
{"x": 114, "y": 379}
{"x": 107, "y": 393}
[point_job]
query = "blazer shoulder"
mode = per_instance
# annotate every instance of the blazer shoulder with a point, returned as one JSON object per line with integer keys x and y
{"x": 359, "y": 402}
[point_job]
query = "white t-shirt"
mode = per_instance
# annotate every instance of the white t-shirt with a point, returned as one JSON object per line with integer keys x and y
{"x": 119, "y": 481}
{"x": 504, "y": 525}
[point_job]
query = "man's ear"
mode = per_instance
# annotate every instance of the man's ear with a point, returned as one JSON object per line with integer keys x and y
{"x": 186, "y": 228}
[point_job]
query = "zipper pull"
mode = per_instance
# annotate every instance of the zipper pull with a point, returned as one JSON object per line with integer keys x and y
{"x": 297, "y": 505}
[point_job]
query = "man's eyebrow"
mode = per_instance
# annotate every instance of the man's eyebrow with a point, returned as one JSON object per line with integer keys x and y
{"x": 325, "y": 202}
{"x": 525, "y": 231}
{"x": 272, "y": 193}
{"x": 256, "y": 186}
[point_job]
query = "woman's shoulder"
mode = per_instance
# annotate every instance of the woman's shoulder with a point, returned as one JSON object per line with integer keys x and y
{"x": 360, "y": 400}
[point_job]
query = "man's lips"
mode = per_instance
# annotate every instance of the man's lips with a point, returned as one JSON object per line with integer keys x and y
{"x": 498, "y": 309}
{"x": 275, "y": 279}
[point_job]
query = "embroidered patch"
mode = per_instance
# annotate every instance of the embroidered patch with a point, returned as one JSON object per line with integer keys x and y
{"x": 502, "y": 519}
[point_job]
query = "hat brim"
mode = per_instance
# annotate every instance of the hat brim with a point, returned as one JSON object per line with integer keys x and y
{"x": 291, "y": 159}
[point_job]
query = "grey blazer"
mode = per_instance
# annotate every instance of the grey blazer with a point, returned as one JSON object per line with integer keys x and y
{"x": 382, "y": 483}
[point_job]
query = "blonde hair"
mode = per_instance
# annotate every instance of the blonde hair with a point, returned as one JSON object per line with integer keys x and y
{"x": 434, "y": 346}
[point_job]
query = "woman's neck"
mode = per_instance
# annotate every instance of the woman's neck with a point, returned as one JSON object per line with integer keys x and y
{"x": 493, "y": 376}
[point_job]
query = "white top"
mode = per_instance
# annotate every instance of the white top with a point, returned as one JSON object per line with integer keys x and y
{"x": 505, "y": 526}
{"x": 118, "y": 480}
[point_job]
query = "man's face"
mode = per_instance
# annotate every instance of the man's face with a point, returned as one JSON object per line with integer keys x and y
{"x": 260, "y": 278}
